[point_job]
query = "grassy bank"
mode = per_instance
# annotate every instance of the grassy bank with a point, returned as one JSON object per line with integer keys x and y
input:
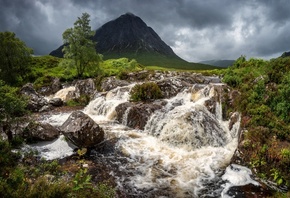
{"x": 263, "y": 99}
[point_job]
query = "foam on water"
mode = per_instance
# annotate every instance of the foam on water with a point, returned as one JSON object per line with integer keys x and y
{"x": 236, "y": 175}
{"x": 55, "y": 149}
{"x": 157, "y": 164}
{"x": 56, "y": 119}
{"x": 182, "y": 147}
{"x": 105, "y": 105}
{"x": 62, "y": 94}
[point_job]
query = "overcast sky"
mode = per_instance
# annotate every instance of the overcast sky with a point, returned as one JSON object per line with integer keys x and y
{"x": 195, "y": 29}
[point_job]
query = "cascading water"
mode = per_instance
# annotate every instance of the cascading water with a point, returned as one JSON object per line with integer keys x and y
{"x": 63, "y": 93}
{"x": 180, "y": 153}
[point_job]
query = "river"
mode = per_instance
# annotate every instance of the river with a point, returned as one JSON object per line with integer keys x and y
{"x": 183, "y": 151}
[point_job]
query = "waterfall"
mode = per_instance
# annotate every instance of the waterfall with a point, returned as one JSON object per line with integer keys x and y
{"x": 105, "y": 105}
{"x": 125, "y": 116}
{"x": 63, "y": 93}
{"x": 183, "y": 147}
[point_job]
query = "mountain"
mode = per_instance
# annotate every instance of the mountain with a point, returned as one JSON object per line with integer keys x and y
{"x": 219, "y": 63}
{"x": 285, "y": 54}
{"x": 129, "y": 36}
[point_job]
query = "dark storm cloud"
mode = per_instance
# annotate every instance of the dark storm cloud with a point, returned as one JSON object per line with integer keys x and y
{"x": 196, "y": 30}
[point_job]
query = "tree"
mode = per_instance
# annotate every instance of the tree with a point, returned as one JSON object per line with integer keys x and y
{"x": 240, "y": 62}
{"x": 15, "y": 57}
{"x": 12, "y": 106}
{"x": 79, "y": 46}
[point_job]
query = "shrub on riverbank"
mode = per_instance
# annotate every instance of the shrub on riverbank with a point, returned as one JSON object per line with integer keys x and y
{"x": 28, "y": 177}
{"x": 264, "y": 104}
{"x": 146, "y": 91}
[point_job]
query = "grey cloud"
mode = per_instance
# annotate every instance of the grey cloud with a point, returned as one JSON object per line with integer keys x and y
{"x": 195, "y": 29}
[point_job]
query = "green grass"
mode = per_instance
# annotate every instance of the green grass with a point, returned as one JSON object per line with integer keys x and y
{"x": 115, "y": 67}
{"x": 45, "y": 68}
{"x": 149, "y": 59}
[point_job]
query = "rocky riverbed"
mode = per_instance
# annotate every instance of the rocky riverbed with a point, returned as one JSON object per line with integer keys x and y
{"x": 177, "y": 146}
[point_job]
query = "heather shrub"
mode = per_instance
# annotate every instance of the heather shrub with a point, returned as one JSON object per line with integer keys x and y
{"x": 146, "y": 91}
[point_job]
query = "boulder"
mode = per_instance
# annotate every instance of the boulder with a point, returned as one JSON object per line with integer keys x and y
{"x": 53, "y": 87}
{"x": 35, "y": 100}
{"x": 112, "y": 82}
{"x": 82, "y": 131}
{"x": 250, "y": 190}
{"x": 85, "y": 87}
{"x": 171, "y": 87}
{"x": 136, "y": 115}
{"x": 173, "y": 83}
{"x": 37, "y": 131}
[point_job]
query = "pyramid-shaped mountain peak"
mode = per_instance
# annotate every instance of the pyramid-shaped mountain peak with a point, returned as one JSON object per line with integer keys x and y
{"x": 128, "y": 36}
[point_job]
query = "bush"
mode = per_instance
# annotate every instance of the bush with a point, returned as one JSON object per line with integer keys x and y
{"x": 83, "y": 100}
{"x": 146, "y": 91}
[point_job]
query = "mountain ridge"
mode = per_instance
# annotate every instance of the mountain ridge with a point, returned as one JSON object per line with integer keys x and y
{"x": 129, "y": 36}
{"x": 130, "y": 33}
{"x": 127, "y": 33}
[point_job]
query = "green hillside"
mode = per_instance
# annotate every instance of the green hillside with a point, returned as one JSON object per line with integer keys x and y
{"x": 150, "y": 59}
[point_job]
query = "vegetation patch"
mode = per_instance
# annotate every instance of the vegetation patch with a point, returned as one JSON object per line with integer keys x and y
{"x": 25, "y": 176}
{"x": 146, "y": 91}
{"x": 264, "y": 103}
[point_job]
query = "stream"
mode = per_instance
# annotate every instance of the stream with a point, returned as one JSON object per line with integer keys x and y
{"x": 183, "y": 151}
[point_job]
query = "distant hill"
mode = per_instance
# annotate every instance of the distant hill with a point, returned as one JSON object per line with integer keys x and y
{"x": 129, "y": 36}
{"x": 285, "y": 54}
{"x": 219, "y": 63}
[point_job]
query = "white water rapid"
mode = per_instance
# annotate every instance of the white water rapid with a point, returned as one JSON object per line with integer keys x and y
{"x": 182, "y": 150}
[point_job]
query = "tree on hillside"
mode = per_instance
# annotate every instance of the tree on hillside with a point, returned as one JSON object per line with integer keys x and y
{"x": 78, "y": 45}
{"x": 15, "y": 57}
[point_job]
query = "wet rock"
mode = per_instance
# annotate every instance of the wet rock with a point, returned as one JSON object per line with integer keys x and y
{"x": 234, "y": 119}
{"x": 171, "y": 86}
{"x": 187, "y": 77}
{"x": 57, "y": 102}
{"x": 85, "y": 87}
{"x": 215, "y": 94}
{"x": 212, "y": 79}
{"x": 211, "y": 105}
{"x": 37, "y": 131}
{"x": 138, "y": 76}
{"x": 82, "y": 131}
{"x": 136, "y": 115}
{"x": 233, "y": 95}
{"x": 35, "y": 100}
{"x": 56, "y": 85}
{"x": 250, "y": 191}
{"x": 53, "y": 87}
{"x": 112, "y": 82}
{"x": 46, "y": 108}
{"x": 70, "y": 95}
